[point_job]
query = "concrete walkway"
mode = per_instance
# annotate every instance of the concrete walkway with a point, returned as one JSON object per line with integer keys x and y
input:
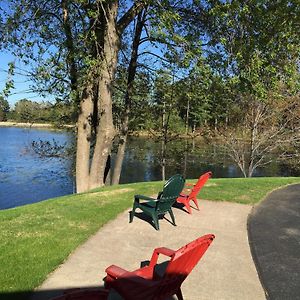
{"x": 226, "y": 271}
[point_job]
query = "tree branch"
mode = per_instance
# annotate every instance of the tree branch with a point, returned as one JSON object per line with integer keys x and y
{"x": 70, "y": 46}
{"x": 130, "y": 15}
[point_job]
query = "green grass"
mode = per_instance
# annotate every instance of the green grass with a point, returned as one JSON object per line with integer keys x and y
{"x": 243, "y": 190}
{"x": 36, "y": 238}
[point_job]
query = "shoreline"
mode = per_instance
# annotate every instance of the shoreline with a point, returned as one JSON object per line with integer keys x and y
{"x": 31, "y": 125}
{"x": 142, "y": 133}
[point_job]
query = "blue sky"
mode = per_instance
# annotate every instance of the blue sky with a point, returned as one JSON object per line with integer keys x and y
{"x": 22, "y": 84}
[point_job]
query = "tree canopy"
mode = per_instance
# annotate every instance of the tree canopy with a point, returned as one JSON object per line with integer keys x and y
{"x": 150, "y": 64}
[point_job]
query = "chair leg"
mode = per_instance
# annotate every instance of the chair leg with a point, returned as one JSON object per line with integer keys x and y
{"x": 196, "y": 203}
{"x": 172, "y": 216}
{"x": 179, "y": 294}
{"x": 188, "y": 207}
{"x": 155, "y": 220}
{"x": 132, "y": 213}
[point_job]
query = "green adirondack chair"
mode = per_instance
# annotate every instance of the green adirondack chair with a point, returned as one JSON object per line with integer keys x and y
{"x": 163, "y": 203}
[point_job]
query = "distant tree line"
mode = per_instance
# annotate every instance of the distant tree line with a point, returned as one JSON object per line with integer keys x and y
{"x": 4, "y": 109}
{"x": 29, "y": 111}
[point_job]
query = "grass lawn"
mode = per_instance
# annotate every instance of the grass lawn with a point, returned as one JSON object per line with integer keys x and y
{"x": 36, "y": 238}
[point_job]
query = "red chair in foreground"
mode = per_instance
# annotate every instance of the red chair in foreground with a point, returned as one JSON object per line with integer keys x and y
{"x": 158, "y": 281}
{"x": 185, "y": 199}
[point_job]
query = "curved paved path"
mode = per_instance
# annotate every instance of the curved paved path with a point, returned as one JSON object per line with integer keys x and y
{"x": 226, "y": 271}
{"x": 274, "y": 235}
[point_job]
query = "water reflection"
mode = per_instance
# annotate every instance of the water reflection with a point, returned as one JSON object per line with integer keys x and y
{"x": 191, "y": 158}
{"x": 143, "y": 160}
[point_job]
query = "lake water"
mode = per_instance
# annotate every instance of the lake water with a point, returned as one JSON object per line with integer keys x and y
{"x": 26, "y": 178}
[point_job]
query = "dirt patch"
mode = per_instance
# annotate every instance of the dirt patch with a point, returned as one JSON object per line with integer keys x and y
{"x": 112, "y": 193}
{"x": 210, "y": 184}
{"x": 25, "y": 234}
{"x": 207, "y": 184}
{"x": 244, "y": 197}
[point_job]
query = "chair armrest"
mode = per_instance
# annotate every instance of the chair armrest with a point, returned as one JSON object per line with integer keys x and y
{"x": 142, "y": 197}
{"x": 115, "y": 271}
{"x": 156, "y": 252}
{"x": 165, "y": 251}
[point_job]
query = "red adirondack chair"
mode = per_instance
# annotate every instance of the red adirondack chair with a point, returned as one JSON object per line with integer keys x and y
{"x": 186, "y": 198}
{"x": 158, "y": 281}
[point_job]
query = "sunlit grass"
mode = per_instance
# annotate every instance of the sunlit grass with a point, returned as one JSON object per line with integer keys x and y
{"x": 36, "y": 238}
{"x": 243, "y": 190}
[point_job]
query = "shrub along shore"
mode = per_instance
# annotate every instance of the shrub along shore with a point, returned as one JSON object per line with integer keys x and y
{"x": 36, "y": 238}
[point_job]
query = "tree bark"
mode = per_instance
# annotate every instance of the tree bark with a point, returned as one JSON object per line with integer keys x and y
{"x": 97, "y": 96}
{"x": 84, "y": 130}
{"x": 119, "y": 160}
{"x": 70, "y": 59}
{"x": 163, "y": 159}
{"x": 187, "y": 117}
{"x": 129, "y": 91}
{"x": 105, "y": 131}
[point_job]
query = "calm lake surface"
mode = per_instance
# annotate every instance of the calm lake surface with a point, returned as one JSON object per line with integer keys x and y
{"x": 26, "y": 178}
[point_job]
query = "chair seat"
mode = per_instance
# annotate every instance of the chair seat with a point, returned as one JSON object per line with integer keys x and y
{"x": 182, "y": 197}
{"x": 147, "y": 206}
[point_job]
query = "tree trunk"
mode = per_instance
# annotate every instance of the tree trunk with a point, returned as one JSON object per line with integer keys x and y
{"x": 129, "y": 91}
{"x": 194, "y": 129}
{"x": 97, "y": 96}
{"x": 119, "y": 160}
{"x": 91, "y": 175}
{"x": 216, "y": 124}
{"x": 84, "y": 129}
{"x": 187, "y": 117}
{"x": 105, "y": 131}
{"x": 163, "y": 159}
{"x": 186, "y": 147}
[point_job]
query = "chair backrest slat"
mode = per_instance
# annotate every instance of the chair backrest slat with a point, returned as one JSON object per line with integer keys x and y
{"x": 186, "y": 258}
{"x": 200, "y": 183}
{"x": 181, "y": 264}
{"x": 170, "y": 193}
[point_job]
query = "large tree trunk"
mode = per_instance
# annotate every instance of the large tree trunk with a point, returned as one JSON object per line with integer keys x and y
{"x": 84, "y": 131}
{"x": 105, "y": 131}
{"x": 90, "y": 173}
{"x": 129, "y": 91}
{"x": 119, "y": 159}
{"x": 105, "y": 42}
